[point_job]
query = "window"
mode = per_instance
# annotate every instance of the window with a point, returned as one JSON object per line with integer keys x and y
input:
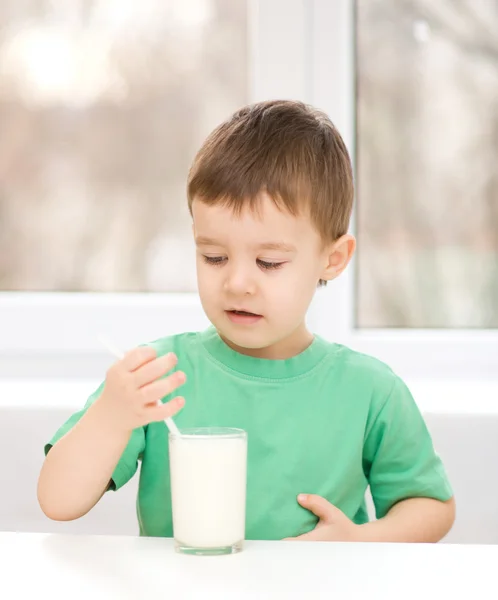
{"x": 104, "y": 104}
{"x": 360, "y": 49}
{"x": 426, "y": 156}
{"x": 318, "y": 51}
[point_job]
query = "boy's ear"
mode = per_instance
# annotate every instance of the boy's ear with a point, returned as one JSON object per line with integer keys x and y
{"x": 337, "y": 256}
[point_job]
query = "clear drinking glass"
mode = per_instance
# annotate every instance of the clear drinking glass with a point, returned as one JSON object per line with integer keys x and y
{"x": 208, "y": 486}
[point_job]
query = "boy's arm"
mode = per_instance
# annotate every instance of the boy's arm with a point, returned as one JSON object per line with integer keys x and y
{"x": 81, "y": 464}
{"x": 79, "y": 467}
{"x": 410, "y": 520}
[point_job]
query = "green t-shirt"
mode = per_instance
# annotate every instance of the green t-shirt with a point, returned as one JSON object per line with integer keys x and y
{"x": 329, "y": 421}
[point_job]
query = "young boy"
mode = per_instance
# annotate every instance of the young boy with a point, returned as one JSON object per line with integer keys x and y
{"x": 271, "y": 194}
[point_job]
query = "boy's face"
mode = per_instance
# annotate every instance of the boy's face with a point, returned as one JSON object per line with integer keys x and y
{"x": 257, "y": 273}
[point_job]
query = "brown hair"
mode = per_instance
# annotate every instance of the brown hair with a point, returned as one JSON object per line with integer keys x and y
{"x": 287, "y": 149}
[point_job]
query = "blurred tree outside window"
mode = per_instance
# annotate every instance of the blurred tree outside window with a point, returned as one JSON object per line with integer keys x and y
{"x": 103, "y": 104}
{"x": 427, "y": 163}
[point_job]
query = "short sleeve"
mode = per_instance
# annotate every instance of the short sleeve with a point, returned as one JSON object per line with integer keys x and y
{"x": 399, "y": 458}
{"x": 128, "y": 463}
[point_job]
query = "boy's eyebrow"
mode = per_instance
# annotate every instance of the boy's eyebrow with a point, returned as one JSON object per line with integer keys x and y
{"x": 282, "y": 246}
{"x": 277, "y": 246}
{"x": 205, "y": 241}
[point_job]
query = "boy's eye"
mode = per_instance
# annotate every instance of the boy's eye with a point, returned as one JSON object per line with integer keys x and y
{"x": 269, "y": 265}
{"x": 214, "y": 260}
{"x": 264, "y": 264}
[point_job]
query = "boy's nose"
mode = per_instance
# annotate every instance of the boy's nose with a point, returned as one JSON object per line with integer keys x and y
{"x": 239, "y": 283}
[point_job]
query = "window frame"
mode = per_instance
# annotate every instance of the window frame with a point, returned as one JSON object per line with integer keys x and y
{"x": 413, "y": 353}
{"x": 299, "y": 49}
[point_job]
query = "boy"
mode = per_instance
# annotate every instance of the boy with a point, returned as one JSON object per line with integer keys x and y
{"x": 270, "y": 193}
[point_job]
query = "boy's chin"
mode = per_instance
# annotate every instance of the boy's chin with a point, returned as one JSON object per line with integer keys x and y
{"x": 245, "y": 340}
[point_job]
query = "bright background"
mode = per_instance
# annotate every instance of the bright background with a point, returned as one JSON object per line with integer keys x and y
{"x": 103, "y": 104}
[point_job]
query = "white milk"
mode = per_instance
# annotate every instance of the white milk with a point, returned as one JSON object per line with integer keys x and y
{"x": 208, "y": 487}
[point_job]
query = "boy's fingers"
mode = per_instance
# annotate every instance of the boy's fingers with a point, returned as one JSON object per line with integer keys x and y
{"x": 322, "y": 508}
{"x": 154, "y": 369}
{"x": 153, "y": 392}
{"x": 137, "y": 357}
{"x": 164, "y": 411}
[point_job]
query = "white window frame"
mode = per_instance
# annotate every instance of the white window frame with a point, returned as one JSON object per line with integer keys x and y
{"x": 299, "y": 49}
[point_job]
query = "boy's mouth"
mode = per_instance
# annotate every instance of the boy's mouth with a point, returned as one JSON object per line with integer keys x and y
{"x": 243, "y": 317}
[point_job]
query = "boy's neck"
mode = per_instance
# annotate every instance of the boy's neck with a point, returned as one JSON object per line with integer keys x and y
{"x": 289, "y": 347}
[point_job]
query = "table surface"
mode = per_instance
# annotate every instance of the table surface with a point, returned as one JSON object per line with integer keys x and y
{"x": 96, "y": 567}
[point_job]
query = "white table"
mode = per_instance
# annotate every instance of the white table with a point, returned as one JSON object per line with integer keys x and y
{"x": 58, "y": 567}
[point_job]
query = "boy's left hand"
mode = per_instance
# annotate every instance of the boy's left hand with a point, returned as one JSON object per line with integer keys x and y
{"x": 333, "y": 525}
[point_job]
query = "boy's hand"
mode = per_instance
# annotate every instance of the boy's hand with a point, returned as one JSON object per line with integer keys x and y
{"x": 133, "y": 389}
{"x": 333, "y": 525}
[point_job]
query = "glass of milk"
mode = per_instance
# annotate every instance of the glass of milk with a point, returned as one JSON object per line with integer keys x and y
{"x": 208, "y": 488}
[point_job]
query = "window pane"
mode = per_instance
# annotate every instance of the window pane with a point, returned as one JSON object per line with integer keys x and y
{"x": 427, "y": 156}
{"x": 103, "y": 104}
